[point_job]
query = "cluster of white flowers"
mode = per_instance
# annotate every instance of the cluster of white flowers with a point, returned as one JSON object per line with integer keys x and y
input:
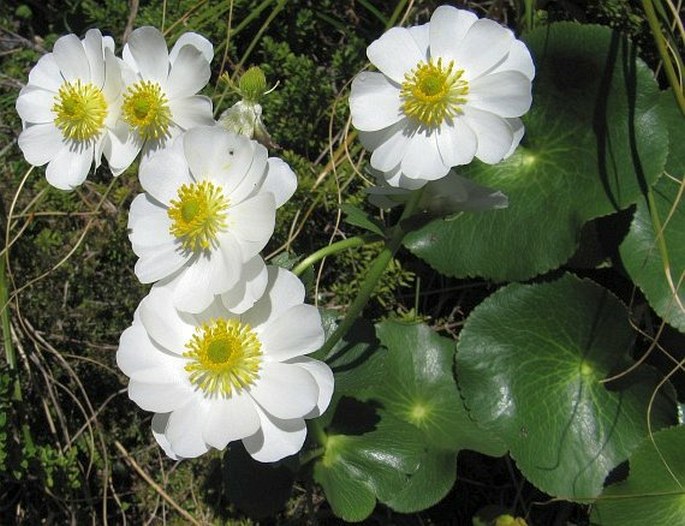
{"x": 217, "y": 348}
{"x": 446, "y": 92}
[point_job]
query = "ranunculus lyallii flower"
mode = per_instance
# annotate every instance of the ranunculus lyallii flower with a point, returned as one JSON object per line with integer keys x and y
{"x": 208, "y": 210}
{"x": 216, "y": 377}
{"x": 160, "y": 98}
{"x": 447, "y": 91}
{"x": 69, "y": 108}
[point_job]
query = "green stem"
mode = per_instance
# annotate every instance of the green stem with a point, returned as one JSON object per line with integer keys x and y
{"x": 5, "y": 318}
{"x": 373, "y": 276}
{"x": 659, "y": 38}
{"x": 331, "y": 249}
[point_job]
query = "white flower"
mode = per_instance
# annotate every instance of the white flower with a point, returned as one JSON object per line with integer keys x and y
{"x": 160, "y": 98}
{"x": 445, "y": 197}
{"x": 447, "y": 91}
{"x": 208, "y": 210}
{"x": 217, "y": 377}
{"x": 69, "y": 108}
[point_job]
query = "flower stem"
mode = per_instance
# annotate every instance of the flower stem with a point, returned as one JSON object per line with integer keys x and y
{"x": 373, "y": 276}
{"x": 659, "y": 39}
{"x": 333, "y": 248}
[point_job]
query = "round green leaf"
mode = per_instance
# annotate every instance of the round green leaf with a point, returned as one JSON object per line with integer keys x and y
{"x": 595, "y": 136}
{"x": 654, "y": 492}
{"x": 409, "y": 460}
{"x": 437, "y": 471}
{"x": 418, "y": 387}
{"x": 653, "y": 252}
{"x": 355, "y": 469}
{"x": 530, "y": 364}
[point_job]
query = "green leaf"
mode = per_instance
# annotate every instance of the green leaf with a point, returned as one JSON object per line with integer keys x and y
{"x": 531, "y": 361}
{"x": 653, "y": 252}
{"x": 654, "y": 492}
{"x": 418, "y": 387}
{"x": 595, "y": 136}
{"x": 356, "y": 468}
{"x": 406, "y": 456}
{"x": 437, "y": 471}
{"x": 355, "y": 216}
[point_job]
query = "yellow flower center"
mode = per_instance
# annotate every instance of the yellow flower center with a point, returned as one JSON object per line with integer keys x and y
{"x": 198, "y": 215}
{"x": 433, "y": 93}
{"x": 146, "y": 109}
{"x": 224, "y": 357}
{"x": 80, "y": 110}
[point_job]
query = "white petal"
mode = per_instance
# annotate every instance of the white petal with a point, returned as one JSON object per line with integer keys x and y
{"x": 485, "y": 45}
{"x": 142, "y": 360}
{"x": 506, "y": 94}
{"x": 191, "y": 112}
{"x": 158, "y": 397}
{"x": 374, "y": 102}
{"x": 280, "y": 180}
{"x": 70, "y": 167}
{"x": 252, "y": 223}
{"x": 495, "y": 136}
{"x": 40, "y": 143}
{"x": 390, "y": 151}
{"x": 518, "y": 130}
{"x": 448, "y": 27}
{"x": 519, "y": 59}
{"x": 242, "y": 183}
{"x": 163, "y": 175}
{"x": 324, "y": 379}
{"x": 188, "y": 75}
{"x": 422, "y": 159}
{"x": 158, "y": 262}
{"x": 122, "y": 148}
{"x": 230, "y": 419}
{"x": 295, "y": 332}
{"x": 112, "y": 87}
{"x": 201, "y": 280}
{"x": 276, "y": 438}
{"x": 421, "y": 36}
{"x": 249, "y": 288}
{"x": 148, "y": 222}
{"x": 71, "y": 58}
{"x": 147, "y": 47}
{"x": 92, "y": 44}
{"x": 165, "y": 325}
{"x": 215, "y": 153}
{"x": 395, "y": 53}
{"x": 159, "y": 423}
{"x": 285, "y": 390}
{"x": 457, "y": 142}
{"x": 35, "y": 105}
{"x": 184, "y": 429}
{"x": 45, "y": 74}
{"x": 400, "y": 182}
{"x": 284, "y": 290}
{"x": 193, "y": 39}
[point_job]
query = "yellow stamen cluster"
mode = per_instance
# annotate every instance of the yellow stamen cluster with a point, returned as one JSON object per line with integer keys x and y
{"x": 80, "y": 110}
{"x": 224, "y": 357}
{"x": 146, "y": 109}
{"x": 198, "y": 215}
{"x": 433, "y": 92}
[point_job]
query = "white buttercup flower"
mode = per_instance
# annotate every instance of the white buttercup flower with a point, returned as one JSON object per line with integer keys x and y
{"x": 447, "y": 91}
{"x": 70, "y": 107}
{"x": 208, "y": 210}
{"x": 216, "y": 377}
{"x": 160, "y": 98}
